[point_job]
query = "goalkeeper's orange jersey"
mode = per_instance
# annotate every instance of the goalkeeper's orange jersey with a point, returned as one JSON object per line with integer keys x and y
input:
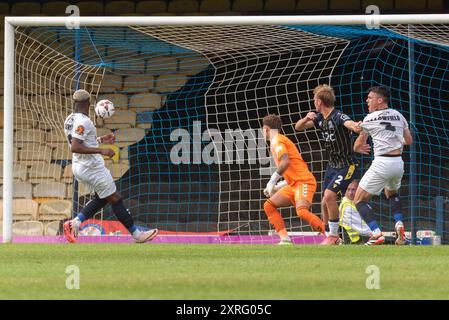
{"x": 297, "y": 171}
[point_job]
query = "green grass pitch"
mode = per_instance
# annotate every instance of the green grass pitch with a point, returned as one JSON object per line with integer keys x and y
{"x": 117, "y": 271}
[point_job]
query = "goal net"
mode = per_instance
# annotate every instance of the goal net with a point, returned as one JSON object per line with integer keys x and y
{"x": 190, "y": 157}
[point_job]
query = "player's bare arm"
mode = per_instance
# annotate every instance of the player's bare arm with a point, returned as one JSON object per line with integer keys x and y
{"x": 306, "y": 122}
{"x": 107, "y": 138}
{"x": 79, "y": 147}
{"x": 360, "y": 145}
{"x": 353, "y": 126}
{"x": 408, "y": 139}
{"x": 272, "y": 185}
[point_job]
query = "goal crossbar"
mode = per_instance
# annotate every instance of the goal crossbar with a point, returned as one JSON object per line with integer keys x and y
{"x": 226, "y": 20}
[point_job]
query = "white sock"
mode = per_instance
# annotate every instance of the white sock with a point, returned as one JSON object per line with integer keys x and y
{"x": 76, "y": 221}
{"x": 376, "y": 232}
{"x": 333, "y": 228}
{"x": 136, "y": 233}
{"x": 287, "y": 238}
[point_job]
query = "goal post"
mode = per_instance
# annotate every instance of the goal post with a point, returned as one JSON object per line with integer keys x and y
{"x": 306, "y": 49}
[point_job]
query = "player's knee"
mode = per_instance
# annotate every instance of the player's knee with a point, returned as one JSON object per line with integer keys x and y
{"x": 269, "y": 207}
{"x": 114, "y": 198}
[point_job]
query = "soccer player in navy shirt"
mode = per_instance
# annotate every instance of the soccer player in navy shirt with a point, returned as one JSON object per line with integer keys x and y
{"x": 336, "y": 130}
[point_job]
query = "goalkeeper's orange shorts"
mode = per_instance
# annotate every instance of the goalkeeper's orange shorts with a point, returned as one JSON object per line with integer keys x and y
{"x": 299, "y": 191}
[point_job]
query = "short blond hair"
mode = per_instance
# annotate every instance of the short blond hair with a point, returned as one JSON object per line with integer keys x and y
{"x": 326, "y": 94}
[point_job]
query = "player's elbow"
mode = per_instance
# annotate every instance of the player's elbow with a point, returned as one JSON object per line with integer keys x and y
{"x": 298, "y": 126}
{"x": 408, "y": 141}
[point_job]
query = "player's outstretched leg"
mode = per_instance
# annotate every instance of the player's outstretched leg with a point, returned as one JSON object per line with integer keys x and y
{"x": 71, "y": 227}
{"x": 366, "y": 212}
{"x": 316, "y": 223}
{"x": 124, "y": 216}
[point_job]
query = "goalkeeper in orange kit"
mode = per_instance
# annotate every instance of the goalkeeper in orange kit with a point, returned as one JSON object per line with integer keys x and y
{"x": 299, "y": 185}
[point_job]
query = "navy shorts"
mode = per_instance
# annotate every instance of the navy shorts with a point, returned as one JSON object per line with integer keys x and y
{"x": 338, "y": 179}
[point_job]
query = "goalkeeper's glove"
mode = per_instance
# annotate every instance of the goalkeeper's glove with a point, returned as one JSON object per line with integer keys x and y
{"x": 280, "y": 185}
{"x": 271, "y": 184}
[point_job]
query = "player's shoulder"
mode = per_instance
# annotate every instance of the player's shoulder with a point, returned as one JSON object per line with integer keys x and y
{"x": 81, "y": 118}
{"x": 340, "y": 115}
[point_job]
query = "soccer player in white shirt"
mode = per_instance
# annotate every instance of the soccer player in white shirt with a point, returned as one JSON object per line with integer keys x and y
{"x": 88, "y": 167}
{"x": 389, "y": 132}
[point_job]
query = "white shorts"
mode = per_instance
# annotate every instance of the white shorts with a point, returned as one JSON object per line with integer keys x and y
{"x": 384, "y": 172}
{"x": 98, "y": 179}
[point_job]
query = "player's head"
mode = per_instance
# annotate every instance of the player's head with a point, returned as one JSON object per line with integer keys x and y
{"x": 323, "y": 97}
{"x": 271, "y": 125}
{"x": 81, "y": 100}
{"x": 352, "y": 188}
{"x": 378, "y": 98}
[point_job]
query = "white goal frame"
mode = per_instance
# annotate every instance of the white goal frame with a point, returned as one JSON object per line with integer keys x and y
{"x": 9, "y": 59}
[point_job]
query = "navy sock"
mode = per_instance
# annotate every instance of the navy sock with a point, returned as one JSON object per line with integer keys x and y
{"x": 123, "y": 215}
{"x": 92, "y": 207}
{"x": 366, "y": 212}
{"x": 396, "y": 207}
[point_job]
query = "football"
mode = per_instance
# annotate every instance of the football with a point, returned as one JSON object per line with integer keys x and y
{"x": 104, "y": 109}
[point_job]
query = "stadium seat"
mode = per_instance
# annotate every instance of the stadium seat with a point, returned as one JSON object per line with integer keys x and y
{"x": 119, "y": 100}
{"x": 25, "y": 8}
{"x": 121, "y": 116}
{"x": 55, "y": 210}
{"x": 55, "y": 138}
{"x": 28, "y": 228}
{"x": 52, "y": 228}
{"x": 24, "y": 209}
{"x": 91, "y": 8}
{"x": 126, "y": 137}
{"x": 170, "y": 83}
{"x": 280, "y": 5}
{"x": 67, "y": 174}
{"x": 62, "y": 152}
{"x": 117, "y": 169}
{"x": 111, "y": 83}
{"x": 27, "y": 136}
{"x": 144, "y": 125}
{"x": 179, "y": 6}
{"x": 22, "y": 190}
{"x": 312, "y": 5}
{"x": 193, "y": 65}
{"x": 44, "y": 172}
{"x": 55, "y": 8}
{"x": 82, "y": 190}
{"x": 115, "y": 148}
{"x": 405, "y": 5}
{"x": 35, "y": 152}
{"x": 344, "y": 5}
{"x": 20, "y": 172}
{"x": 115, "y": 8}
{"x": 139, "y": 83}
{"x": 150, "y": 7}
{"x": 15, "y": 152}
{"x": 384, "y": 5}
{"x": 26, "y": 119}
{"x": 215, "y": 5}
{"x": 161, "y": 65}
{"x": 50, "y": 190}
{"x": 124, "y": 153}
{"x": 4, "y": 8}
{"x": 145, "y": 102}
{"x": 247, "y": 5}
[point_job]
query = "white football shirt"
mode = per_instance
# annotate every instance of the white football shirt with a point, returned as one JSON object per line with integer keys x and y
{"x": 386, "y": 128}
{"x": 78, "y": 125}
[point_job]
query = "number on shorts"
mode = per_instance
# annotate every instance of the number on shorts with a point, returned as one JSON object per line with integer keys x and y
{"x": 339, "y": 178}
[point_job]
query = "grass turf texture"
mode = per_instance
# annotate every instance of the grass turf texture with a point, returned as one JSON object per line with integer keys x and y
{"x": 169, "y": 271}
